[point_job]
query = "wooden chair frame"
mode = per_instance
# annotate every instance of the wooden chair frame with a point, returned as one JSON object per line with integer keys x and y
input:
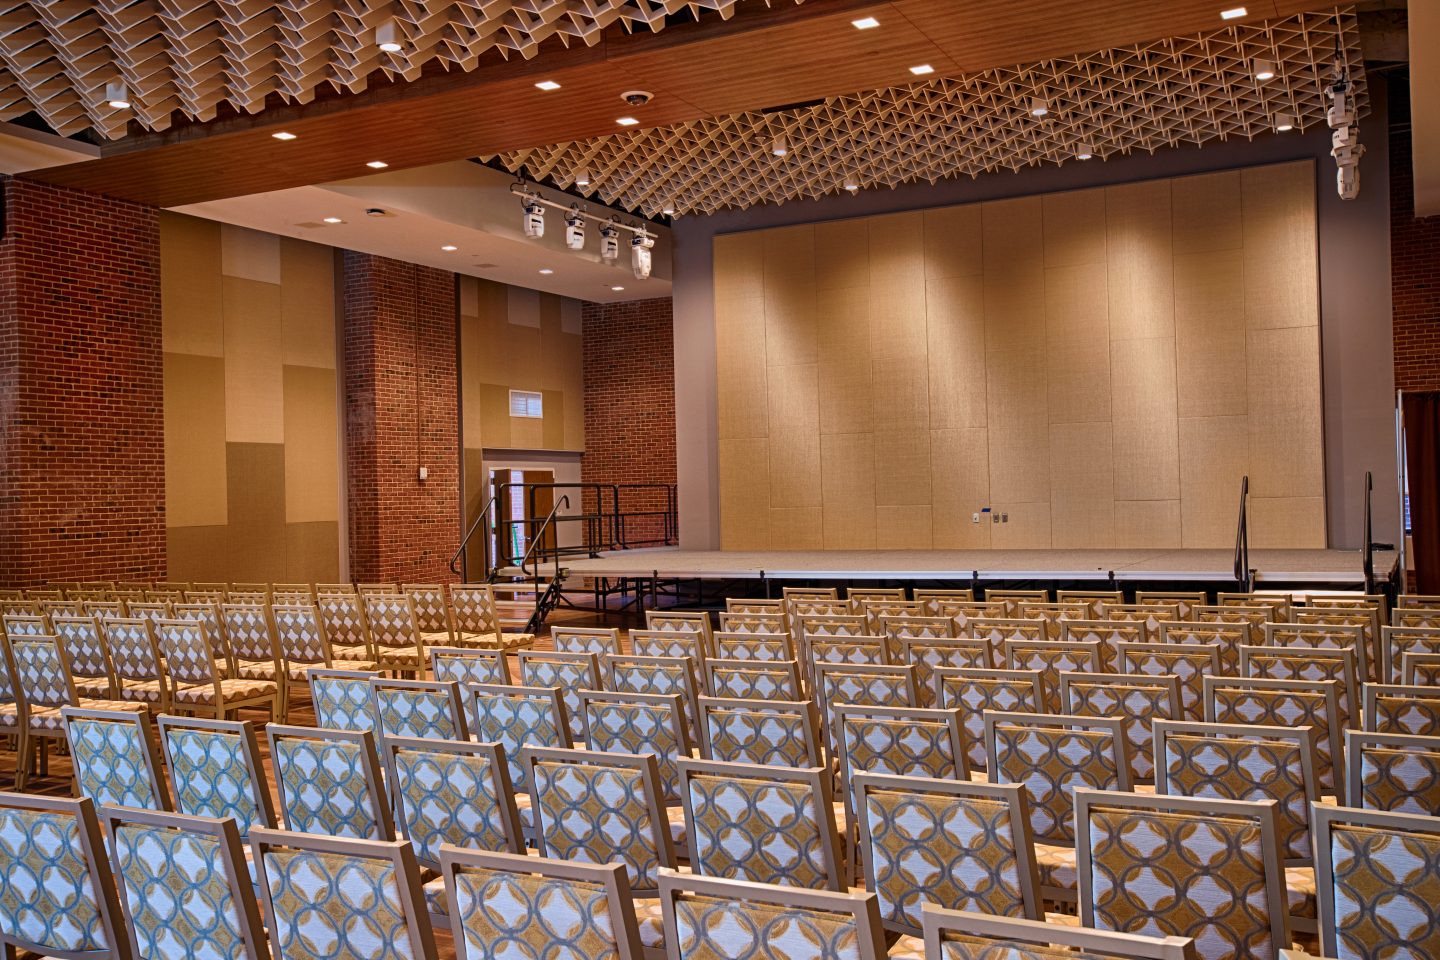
{"x": 468, "y": 653}
{"x": 1356, "y": 741}
{"x": 249, "y": 749}
{"x": 790, "y": 668}
{"x": 140, "y": 720}
{"x": 369, "y": 761}
{"x": 937, "y": 922}
{"x": 450, "y": 689}
{"x": 804, "y": 709}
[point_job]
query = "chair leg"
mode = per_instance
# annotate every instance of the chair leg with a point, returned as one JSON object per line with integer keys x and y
{"x": 22, "y": 760}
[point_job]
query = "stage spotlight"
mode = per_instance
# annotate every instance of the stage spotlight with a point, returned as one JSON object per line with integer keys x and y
{"x": 609, "y": 242}
{"x": 640, "y": 246}
{"x": 575, "y": 229}
{"x": 534, "y": 221}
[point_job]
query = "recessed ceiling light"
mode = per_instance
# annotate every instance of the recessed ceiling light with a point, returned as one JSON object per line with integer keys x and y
{"x": 548, "y": 85}
{"x": 617, "y": 288}
{"x": 922, "y": 70}
{"x": 1284, "y": 122}
{"x": 627, "y": 121}
{"x": 1038, "y": 107}
{"x": 546, "y": 271}
{"x": 865, "y": 23}
{"x": 333, "y": 220}
{"x": 449, "y": 248}
{"x": 117, "y": 96}
{"x": 283, "y": 135}
{"x": 387, "y": 37}
{"x": 1264, "y": 69}
{"x": 377, "y": 164}
{"x": 1234, "y": 13}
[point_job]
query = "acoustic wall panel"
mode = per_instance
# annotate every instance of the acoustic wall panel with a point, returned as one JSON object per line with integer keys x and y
{"x": 1099, "y": 367}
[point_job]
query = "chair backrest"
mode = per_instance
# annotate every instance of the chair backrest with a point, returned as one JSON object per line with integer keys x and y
{"x": 930, "y": 655}
{"x": 1420, "y": 669}
{"x": 184, "y": 886}
{"x": 367, "y": 891}
{"x": 250, "y": 632}
{"x": 1285, "y": 703}
{"x": 189, "y": 653}
{"x": 134, "y": 655}
{"x": 215, "y": 771}
{"x": 516, "y": 717}
{"x": 85, "y": 645}
{"x": 1052, "y": 756}
{"x": 1393, "y": 772}
{"x": 752, "y": 646}
{"x": 1401, "y": 708}
{"x": 996, "y": 631}
{"x": 496, "y": 897}
{"x": 300, "y": 634}
{"x": 394, "y": 634}
{"x": 856, "y": 650}
{"x": 571, "y": 672}
{"x": 754, "y": 679}
{"x": 472, "y": 610}
{"x": 709, "y": 917}
{"x": 1052, "y": 658}
{"x": 1184, "y": 845}
{"x": 967, "y": 935}
{"x": 1253, "y": 619}
{"x": 42, "y": 671}
{"x": 452, "y": 791}
{"x": 901, "y": 741}
{"x": 684, "y": 621}
{"x": 1312, "y": 636}
{"x": 962, "y": 611}
{"x": 209, "y": 615}
{"x": 1375, "y": 875}
{"x": 736, "y": 622}
{"x": 1278, "y": 604}
{"x": 57, "y": 897}
{"x": 764, "y": 732}
{"x": 115, "y": 759}
{"x": 432, "y": 610}
{"x": 600, "y": 808}
{"x": 975, "y": 691}
{"x": 1231, "y": 761}
{"x": 597, "y": 640}
{"x": 465, "y": 665}
{"x": 635, "y": 723}
{"x": 843, "y": 683}
{"x": 951, "y": 843}
{"x": 1014, "y": 598}
{"x": 1191, "y": 663}
{"x": 1397, "y": 641}
{"x": 1184, "y": 600}
{"x": 1096, "y": 600}
{"x": 417, "y": 708}
{"x": 653, "y": 674}
{"x": 1054, "y": 615}
{"x": 342, "y": 699}
{"x": 762, "y": 606}
{"x": 1307, "y": 663}
{"x": 669, "y": 643}
{"x": 1228, "y": 637}
{"x": 810, "y": 593}
{"x": 1110, "y": 634}
{"x": 23, "y": 625}
{"x": 1149, "y": 614}
{"x": 342, "y": 616}
{"x": 897, "y": 629}
{"x": 1138, "y": 700}
{"x": 764, "y": 824}
{"x": 329, "y": 782}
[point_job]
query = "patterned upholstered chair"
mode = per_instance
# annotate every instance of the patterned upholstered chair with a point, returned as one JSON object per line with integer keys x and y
{"x": 1420, "y": 669}
{"x": 477, "y": 620}
{"x": 1396, "y": 642}
{"x": 900, "y": 741}
{"x": 361, "y": 895}
{"x": 1054, "y": 615}
{"x": 754, "y": 679}
{"x": 329, "y": 782}
{"x": 811, "y": 627}
{"x": 503, "y": 901}
{"x": 1183, "y": 867}
{"x": 304, "y": 646}
{"x": 1191, "y": 663}
{"x": 89, "y": 656}
{"x": 342, "y": 699}
{"x": 254, "y": 649}
{"x": 1139, "y": 700}
{"x": 915, "y": 626}
{"x": 1393, "y": 772}
{"x": 185, "y": 887}
{"x": 1379, "y": 880}
{"x": 1014, "y": 598}
{"x": 196, "y": 684}
{"x": 1324, "y": 636}
{"x": 1397, "y": 708}
{"x": 669, "y": 643}
{"x": 950, "y": 843}
{"x": 215, "y": 771}
{"x": 973, "y": 692}
{"x": 571, "y": 672}
{"x": 451, "y": 792}
{"x": 1095, "y": 600}
{"x": 601, "y": 641}
{"x": 930, "y": 656}
{"x": 858, "y": 650}
{"x": 600, "y": 808}
{"x": 1325, "y": 615}
{"x": 1279, "y": 604}
{"x": 767, "y": 623}
{"x": 1308, "y": 663}
{"x": 1253, "y": 619}
{"x": 1052, "y": 658}
{"x": 709, "y": 917}
{"x": 964, "y": 935}
{"x": 1227, "y": 637}
{"x": 1110, "y": 634}
{"x": 681, "y": 621}
{"x": 1150, "y": 614}
{"x": 1285, "y": 703}
{"x": 27, "y": 625}
{"x": 394, "y": 633}
{"x": 764, "y": 732}
{"x": 642, "y": 673}
{"x": 1052, "y": 757}
{"x": 1185, "y": 601}
{"x": 998, "y": 631}
{"x": 874, "y": 686}
{"x": 432, "y": 613}
{"x": 417, "y": 708}
{"x": 517, "y": 717}
{"x": 764, "y": 824}
{"x": 765, "y": 647}
{"x": 464, "y": 665}
{"x": 135, "y": 657}
{"x": 113, "y": 752}
{"x": 57, "y": 897}
{"x": 342, "y": 617}
{"x": 208, "y": 615}
{"x": 652, "y": 723}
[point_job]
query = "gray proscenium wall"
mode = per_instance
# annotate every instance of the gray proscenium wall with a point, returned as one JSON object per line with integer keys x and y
{"x": 1358, "y": 363}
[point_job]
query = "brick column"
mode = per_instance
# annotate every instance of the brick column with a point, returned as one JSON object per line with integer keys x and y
{"x": 401, "y": 413}
{"x": 82, "y": 436}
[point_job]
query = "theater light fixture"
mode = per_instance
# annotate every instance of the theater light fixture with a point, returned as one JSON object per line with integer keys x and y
{"x": 548, "y": 85}
{"x": 1234, "y": 13}
{"x": 1038, "y": 107}
{"x": 534, "y": 219}
{"x": 865, "y": 23}
{"x": 283, "y": 135}
{"x": 575, "y": 229}
{"x": 1284, "y": 123}
{"x": 387, "y": 37}
{"x": 1263, "y": 70}
{"x": 609, "y": 242}
{"x": 116, "y": 95}
{"x": 640, "y": 258}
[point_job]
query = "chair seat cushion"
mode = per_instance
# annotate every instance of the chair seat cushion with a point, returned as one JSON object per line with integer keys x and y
{"x": 436, "y": 900}
{"x": 144, "y": 691}
{"x": 1057, "y": 866}
{"x": 48, "y": 718}
{"x": 436, "y": 638}
{"x": 94, "y": 688}
{"x": 907, "y": 948}
{"x": 651, "y": 920}
{"x": 676, "y": 818}
{"x": 298, "y": 670}
{"x": 255, "y": 670}
{"x": 360, "y": 652}
{"x": 1300, "y": 892}
{"x": 229, "y": 689}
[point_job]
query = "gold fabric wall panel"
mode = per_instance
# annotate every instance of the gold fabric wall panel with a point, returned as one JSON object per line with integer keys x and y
{"x": 311, "y": 425}
{"x": 195, "y": 492}
{"x": 1101, "y": 365}
{"x": 192, "y": 321}
{"x": 307, "y": 303}
{"x": 254, "y": 361}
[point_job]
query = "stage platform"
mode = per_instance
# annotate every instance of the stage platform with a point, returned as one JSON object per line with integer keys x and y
{"x": 1314, "y": 568}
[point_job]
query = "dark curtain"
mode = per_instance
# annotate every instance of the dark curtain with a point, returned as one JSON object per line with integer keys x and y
{"x": 1422, "y": 461}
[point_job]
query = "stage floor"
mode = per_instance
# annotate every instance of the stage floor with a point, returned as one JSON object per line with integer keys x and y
{"x": 1274, "y": 566}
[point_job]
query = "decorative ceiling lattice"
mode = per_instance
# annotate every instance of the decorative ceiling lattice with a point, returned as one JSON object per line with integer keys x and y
{"x": 1189, "y": 89}
{"x": 188, "y": 57}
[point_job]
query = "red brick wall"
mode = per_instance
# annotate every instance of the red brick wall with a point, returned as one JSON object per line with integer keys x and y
{"x": 82, "y": 437}
{"x": 629, "y": 360}
{"x": 1414, "y": 263}
{"x": 401, "y": 413}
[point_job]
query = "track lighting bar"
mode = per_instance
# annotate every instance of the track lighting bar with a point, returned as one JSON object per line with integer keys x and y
{"x": 530, "y": 196}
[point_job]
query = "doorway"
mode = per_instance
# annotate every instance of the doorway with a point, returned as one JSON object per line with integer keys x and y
{"x": 519, "y": 510}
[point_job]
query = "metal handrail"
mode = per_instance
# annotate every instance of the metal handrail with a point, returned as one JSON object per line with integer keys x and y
{"x": 462, "y": 571}
{"x": 1368, "y": 560}
{"x": 539, "y": 538}
{"x": 1242, "y": 538}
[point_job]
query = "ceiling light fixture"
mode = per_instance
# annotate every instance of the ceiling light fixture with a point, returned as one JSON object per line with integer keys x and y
{"x": 1234, "y": 13}
{"x": 449, "y": 248}
{"x": 1284, "y": 123}
{"x": 627, "y": 121}
{"x": 582, "y": 178}
{"x": 865, "y": 23}
{"x": 640, "y": 258}
{"x": 546, "y": 271}
{"x": 617, "y": 288}
{"x": 668, "y": 209}
{"x": 387, "y": 37}
{"x": 1038, "y": 107}
{"x": 922, "y": 70}
{"x": 575, "y": 229}
{"x": 780, "y": 146}
{"x": 547, "y": 85}
{"x": 1264, "y": 69}
{"x": 533, "y": 221}
{"x": 609, "y": 242}
{"x": 283, "y": 135}
{"x": 850, "y": 185}
{"x": 116, "y": 95}
{"x": 1084, "y": 151}
{"x": 377, "y": 164}
{"x": 333, "y": 220}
